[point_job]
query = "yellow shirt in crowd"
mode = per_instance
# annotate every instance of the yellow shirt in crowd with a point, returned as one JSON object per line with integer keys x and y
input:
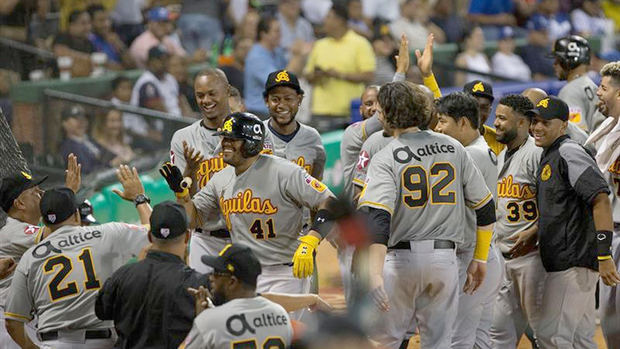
{"x": 351, "y": 53}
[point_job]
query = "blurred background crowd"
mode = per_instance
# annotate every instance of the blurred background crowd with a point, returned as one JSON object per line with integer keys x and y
{"x": 111, "y": 80}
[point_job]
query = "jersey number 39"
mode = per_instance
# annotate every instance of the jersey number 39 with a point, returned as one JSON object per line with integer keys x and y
{"x": 62, "y": 266}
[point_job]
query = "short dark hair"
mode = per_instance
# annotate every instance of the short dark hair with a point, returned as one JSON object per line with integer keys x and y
{"x": 404, "y": 104}
{"x": 518, "y": 103}
{"x": 92, "y": 9}
{"x": 234, "y": 92}
{"x": 612, "y": 70}
{"x": 341, "y": 11}
{"x": 73, "y": 16}
{"x": 459, "y": 105}
{"x": 119, "y": 80}
{"x": 264, "y": 24}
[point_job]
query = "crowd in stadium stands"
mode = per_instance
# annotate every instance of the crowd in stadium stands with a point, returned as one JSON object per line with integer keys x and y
{"x": 337, "y": 48}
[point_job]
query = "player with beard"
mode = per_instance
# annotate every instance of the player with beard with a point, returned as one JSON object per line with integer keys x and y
{"x": 197, "y": 153}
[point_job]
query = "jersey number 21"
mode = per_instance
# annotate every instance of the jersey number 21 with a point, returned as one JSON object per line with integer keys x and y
{"x": 62, "y": 266}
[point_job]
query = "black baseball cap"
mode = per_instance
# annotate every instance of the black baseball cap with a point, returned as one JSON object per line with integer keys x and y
{"x": 168, "y": 220}
{"x": 550, "y": 108}
{"x": 282, "y": 78}
{"x": 12, "y": 186}
{"x": 238, "y": 260}
{"x": 57, "y": 205}
{"x": 479, "y": 88}
{"x": 73, "y": 111}
{"x": 86, "y": 212}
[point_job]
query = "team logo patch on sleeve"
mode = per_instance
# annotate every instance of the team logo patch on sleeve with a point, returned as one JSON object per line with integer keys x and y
{"x": 546, "y": 173}
{"x": 574, "y": 115}
{"x": 314, "y": 183}
{"x": 362, "y": 160}
{"x": 31, "y": 229}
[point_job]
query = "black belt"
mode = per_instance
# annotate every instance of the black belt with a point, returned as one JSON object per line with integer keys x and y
{"x": 90, "y": 334}
{"x": 220, "y": 233}
{"x": 437, "y": 244}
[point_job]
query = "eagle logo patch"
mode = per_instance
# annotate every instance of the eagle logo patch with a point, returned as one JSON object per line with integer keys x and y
{"x": 479, "y": 87}
{"x": 546, "y": 172}
{"x": 283, "y": 76}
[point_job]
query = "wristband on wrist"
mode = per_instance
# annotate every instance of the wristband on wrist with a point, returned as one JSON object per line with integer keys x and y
{"x": 432, "y": 85}
{"x": 603, "y": 244}
{"x": 483, "y": 244}
{"x": 322, "y": 223}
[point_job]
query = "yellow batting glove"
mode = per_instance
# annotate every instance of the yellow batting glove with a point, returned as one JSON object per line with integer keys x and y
{"x": 303, "y": 260}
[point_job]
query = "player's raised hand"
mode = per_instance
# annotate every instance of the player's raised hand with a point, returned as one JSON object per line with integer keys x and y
{"x": 475, "y": 276}
{"x": 201, "y": 298}
{"x": 193, "y": 159}
{"x": 73, "y": 173}
{"x": 7, "y": 266}
{"x": 173, "y": 176}
{"x": 609, "y": 273}
{"x": 425, "y": 59}
{"x": 402, "y": 59}
{"x": 132, "y": 186}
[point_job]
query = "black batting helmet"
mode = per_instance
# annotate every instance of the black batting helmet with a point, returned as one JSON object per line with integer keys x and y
{"x": 245, "y": 126}
{"x": 572, "y": 51}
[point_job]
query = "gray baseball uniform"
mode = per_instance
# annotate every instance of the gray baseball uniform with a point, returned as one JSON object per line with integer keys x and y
{"x": 201, "y": 138}
{"x": 424, "y": 180}
{"x": 15, "y": 238}
{"x": 520, "y": 294}
{"x": 266, "y": 215}
{"x": 580, "y": 95}
{"x": 475, "y": 312}
{"x": 58, "y": 279}
{"x": 372, "y": 146}
{"x": 241, "y": 323}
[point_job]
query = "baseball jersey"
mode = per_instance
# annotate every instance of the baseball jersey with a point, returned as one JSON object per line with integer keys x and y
{"x": 486, "y": 161}
{"x": 517, "y": 208}
{"x": 263, "y": 206}
{"x": 201, "y": 138}
{"x": 15, "y": 238}
{"x": 241, "y": 323}
{"x": 580, "y": 95}
{"x": 58, "y": 279}
{"x": 424, "y": 180}
{"x": 613, "y": 176}
{"x": 373, "y": 144}
{"x": 305, "y": 148}
{"x": 352, "y": 139}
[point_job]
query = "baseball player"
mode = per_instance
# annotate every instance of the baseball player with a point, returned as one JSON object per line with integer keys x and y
{"x": 20, "y": 196}
{"x": 572, "y": 58}
{"x": 483, "y": 91}
{"x": 606, "y": 138}
{"x": 368, "y": 101}
{"x": 415, "y": 196}
{"x": 458, "y": 118}
{"x": 261, "y": 198}
{"x": 203, "y": 149}
{"x": 86, "y": 213}
{"x": 240, "y": 318}
{"x": 535, "y": 95}
{"x": 517, "y": 214}
{"x": 56, "y": 280}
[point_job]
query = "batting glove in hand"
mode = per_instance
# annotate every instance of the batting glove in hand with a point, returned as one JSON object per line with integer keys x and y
{"x": 303, "y": 259}
{"x": 175, "y": 180}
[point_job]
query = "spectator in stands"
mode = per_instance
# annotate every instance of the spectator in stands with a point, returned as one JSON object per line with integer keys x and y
{"x": 157, "y": 29}
{"x": 357, "y": 21}
{"x": 414, "y": 22}
{"x": 611, "y": 8}
{"x": 387, "y": 10}
{"x": 74, "y": 43}
{"x": 491, "y": 16}
{"x": 264, "y": 57}
{"x": 200, "y": 24}
{"x": 247, "y": 28}
{"x": 235, "y": 101}
{"x": 13, "y": 16}
{"x": 177, "y": 67}
{"x": 127, "y": 19}
{"x": 107, "y": 41}
{"x": 448, "y": 20}
{"x": 155, "y": 89}
{"x": 121, "y": 90}
{"x": 76, "y": 141}
{"x": 109, "y": 133}
{"x": 472, "y": 57}
{"x": 544, "y": 27}
{"x": 338, "y": 67}
{"x": 505, "y": 62}
{"x": 234, "y": 69}
{"x": 384, "y": 48}
{"x": 43, "y": 26}
{"x": 293, "y": 27}
{"x": 589, "y": 20}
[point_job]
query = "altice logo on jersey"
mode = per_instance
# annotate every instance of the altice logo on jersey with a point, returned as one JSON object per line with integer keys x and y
{"x": 238, "y": 324}
{"x": 405, "y": 154}
{"x": 44, "y": 249}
